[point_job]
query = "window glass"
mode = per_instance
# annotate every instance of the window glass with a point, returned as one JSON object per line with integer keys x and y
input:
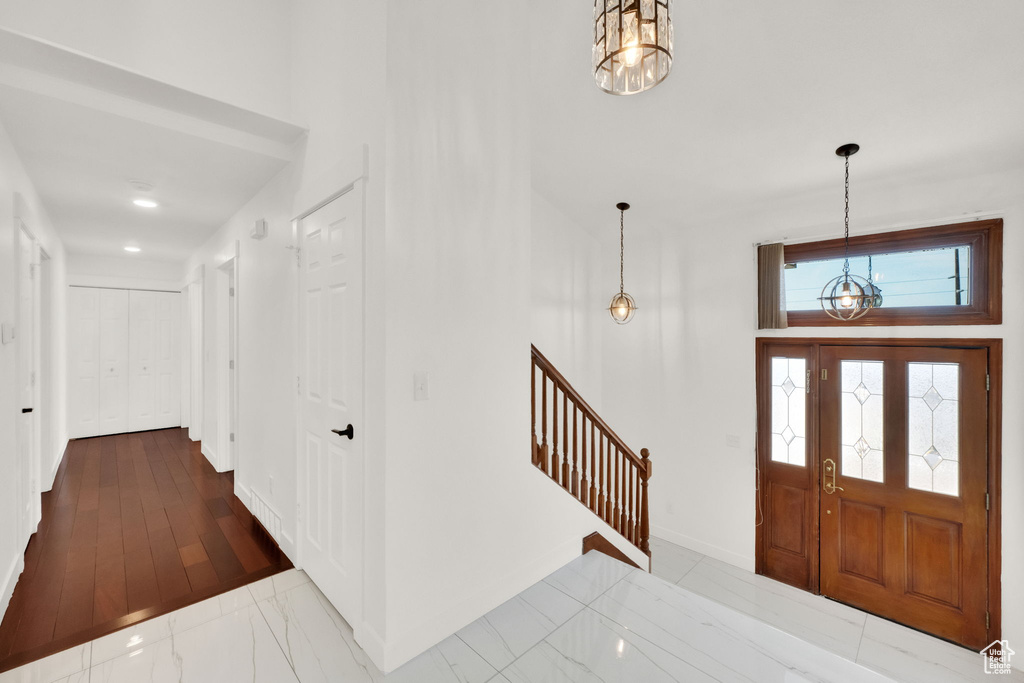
{"x": 863, "y": 419}
{"x": 789, "y": 410}
{"x": 929, "y": 277}
{"x": 933, "y": 427}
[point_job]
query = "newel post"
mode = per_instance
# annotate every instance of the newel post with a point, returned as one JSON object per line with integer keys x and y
{"x": 645, "y": 519}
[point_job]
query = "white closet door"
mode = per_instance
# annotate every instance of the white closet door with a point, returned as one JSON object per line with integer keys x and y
{"x": 167, "y": 403}
{"x": 113, "y": 356}
{"x": 97, "y": 361}
{"x": 83, "y": 362}
{"x": 154, "y": 326}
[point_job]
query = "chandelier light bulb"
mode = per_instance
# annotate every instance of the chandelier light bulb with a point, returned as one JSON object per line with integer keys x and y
{"x": 632, "y": 56}
{"x": 846, "y": 301}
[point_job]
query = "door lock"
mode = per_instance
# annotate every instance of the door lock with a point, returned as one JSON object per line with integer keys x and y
{"x": 828, "y": 477}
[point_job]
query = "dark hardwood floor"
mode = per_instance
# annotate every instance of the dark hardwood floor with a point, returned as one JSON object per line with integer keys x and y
{"x": 135, "y": 526}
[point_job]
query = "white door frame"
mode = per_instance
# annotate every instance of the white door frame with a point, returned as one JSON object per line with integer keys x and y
{"x": 194, "y": 323}
{"x": 227, "y": 352}
{"x": 48, "y": 442}
{"x": 301, "y": 546}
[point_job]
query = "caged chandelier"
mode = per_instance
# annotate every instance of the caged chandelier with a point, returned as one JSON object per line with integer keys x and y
{"x": 632, "y": 44}
{"x": 848, "y": 297}
{"x": 622, "y": 306}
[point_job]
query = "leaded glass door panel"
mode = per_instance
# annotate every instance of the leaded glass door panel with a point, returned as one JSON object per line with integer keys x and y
{"x": 788, "y": 477}
{"x": 903, "y": 464}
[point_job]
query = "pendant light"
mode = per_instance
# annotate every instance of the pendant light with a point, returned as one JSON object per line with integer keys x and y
{"x": 632, "y": 44}
{"x": 622, "y": 306}
{"x": 848, "y": 297}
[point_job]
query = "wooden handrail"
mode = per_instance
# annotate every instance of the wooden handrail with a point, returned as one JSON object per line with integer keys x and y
{"x": 609, "y": 478}
{"x": 541, "y": 362}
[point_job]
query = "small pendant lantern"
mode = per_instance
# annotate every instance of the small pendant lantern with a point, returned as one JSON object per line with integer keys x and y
{"x": 848, "y": 297}
{"x": 622, "y": 306}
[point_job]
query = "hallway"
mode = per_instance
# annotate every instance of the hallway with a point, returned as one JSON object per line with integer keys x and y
{"x": 136, "y": 525}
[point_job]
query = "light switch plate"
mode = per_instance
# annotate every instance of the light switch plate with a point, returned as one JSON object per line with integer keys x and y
{"x": 7, "y": 332}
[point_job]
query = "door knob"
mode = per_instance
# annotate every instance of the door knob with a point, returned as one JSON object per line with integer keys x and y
{"x": 344, "y": 432}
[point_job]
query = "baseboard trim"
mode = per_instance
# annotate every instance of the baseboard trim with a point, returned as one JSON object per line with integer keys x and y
{"x": 210, "y": 456}
{"x": 735, "y": 559}
{"x": 373, "y": 645}
{"x": 62, "y": 453}
{"x": 10, "y": 581}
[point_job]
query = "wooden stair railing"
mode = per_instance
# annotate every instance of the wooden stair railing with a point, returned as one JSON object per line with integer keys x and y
{"x": 614, "y": 486}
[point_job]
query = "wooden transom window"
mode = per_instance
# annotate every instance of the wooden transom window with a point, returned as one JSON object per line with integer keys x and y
{"x": 943, "y": 275}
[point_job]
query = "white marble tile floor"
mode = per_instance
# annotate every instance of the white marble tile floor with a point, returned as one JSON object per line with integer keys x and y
{"x": 594, "y": 620}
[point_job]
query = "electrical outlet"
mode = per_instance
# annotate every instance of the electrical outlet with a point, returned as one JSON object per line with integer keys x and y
{"x": 732, "y": 441}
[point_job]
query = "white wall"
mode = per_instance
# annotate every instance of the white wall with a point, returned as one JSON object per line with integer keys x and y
{"x": 700, "y": 388}
{"x": 232, "y": 50}
{"x": 123, "y": 272}
{"x": 14, "y": 180}
{"x": 266, "y": 370}
{"x": 566, "y": 293}
{"x": 460, "y": 488}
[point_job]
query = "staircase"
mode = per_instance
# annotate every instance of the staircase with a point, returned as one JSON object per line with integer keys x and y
{"x": 581, "y": 453}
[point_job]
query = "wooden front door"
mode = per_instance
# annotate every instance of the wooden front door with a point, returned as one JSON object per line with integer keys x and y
{"x": 902, "y": 464}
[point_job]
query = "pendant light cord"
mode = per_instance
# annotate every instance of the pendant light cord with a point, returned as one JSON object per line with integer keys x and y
{"x": 622, "y": 249}
{"x": 846, "y": 254}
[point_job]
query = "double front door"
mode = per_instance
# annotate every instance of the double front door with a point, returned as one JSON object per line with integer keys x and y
{"x": 874, "y": 469}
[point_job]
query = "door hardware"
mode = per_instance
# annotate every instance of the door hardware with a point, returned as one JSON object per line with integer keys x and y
{"x": 828, "y": 478}
{"x": 344, "y": 432}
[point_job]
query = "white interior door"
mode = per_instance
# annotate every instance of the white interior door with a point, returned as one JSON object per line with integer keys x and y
{"x": 83, "y": 362}
{"x": 226, "y": 282}
{"x": 113, "y": 361}
{"x": 28, "y": 358}
{"x": 154, "y": 366}
{"x": 167, "y": 406}
{"x": 142, "y": 361}
{"x": 331, "y": 397}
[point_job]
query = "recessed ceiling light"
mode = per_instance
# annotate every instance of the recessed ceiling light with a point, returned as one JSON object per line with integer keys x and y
{"x": 145, "y": 203}
{"x": 132, "y": 249}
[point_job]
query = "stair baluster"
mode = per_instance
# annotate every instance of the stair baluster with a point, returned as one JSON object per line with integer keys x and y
{"x": 614, "y": 485}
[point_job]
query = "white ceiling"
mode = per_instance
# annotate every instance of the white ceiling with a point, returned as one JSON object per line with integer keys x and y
{"x": 84, "y": 129}
{"x": 761, "y": 94}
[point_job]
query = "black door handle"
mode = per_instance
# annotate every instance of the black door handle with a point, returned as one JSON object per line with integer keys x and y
{"x": 26, "y": 410}
{"x": 344, "y": 432}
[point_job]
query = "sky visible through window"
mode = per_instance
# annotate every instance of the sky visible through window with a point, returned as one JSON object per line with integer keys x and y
{"x": 909, "y": 278}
